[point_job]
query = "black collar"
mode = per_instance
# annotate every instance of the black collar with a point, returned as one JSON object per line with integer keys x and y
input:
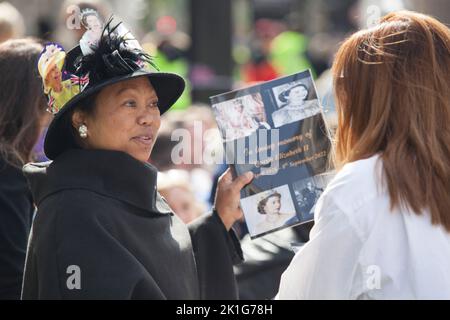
{"x": 110, "y": 173}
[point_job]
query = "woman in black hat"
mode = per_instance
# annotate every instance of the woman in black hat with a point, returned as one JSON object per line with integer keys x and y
{"x": 102, "y": 231}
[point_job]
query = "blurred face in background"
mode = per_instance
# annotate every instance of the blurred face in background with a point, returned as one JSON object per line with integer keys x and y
{"x": 182, "y": 202}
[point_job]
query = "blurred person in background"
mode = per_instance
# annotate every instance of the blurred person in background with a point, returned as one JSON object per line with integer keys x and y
{"x": 199, "y": 122}
{"x": 12, "y": 25}
{"x": 171, "y": 53}
{"x": 288, "y": 53}
{"x": 191, "y": 135}
{"x": 382, "y": 226}
{"x": 258, "y": 68}
{"x": 161, "y": 157}
{"x": 22, "y": 119}
{"x": 174, "y": 186}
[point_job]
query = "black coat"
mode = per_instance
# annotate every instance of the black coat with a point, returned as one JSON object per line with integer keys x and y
{"x": 266, "y": 258}
{"x": 16, "y": 212}
{"x": 99, "y": 211}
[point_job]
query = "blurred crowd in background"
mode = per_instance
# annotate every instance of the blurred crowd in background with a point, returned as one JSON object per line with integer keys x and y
{"x": 218, "y": 46}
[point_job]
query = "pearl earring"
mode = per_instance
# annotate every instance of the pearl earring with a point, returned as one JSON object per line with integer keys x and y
{"x": 83, "y": 131}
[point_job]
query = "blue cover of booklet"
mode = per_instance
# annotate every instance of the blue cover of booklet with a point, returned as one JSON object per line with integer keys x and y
{"x": 277, "y": 130}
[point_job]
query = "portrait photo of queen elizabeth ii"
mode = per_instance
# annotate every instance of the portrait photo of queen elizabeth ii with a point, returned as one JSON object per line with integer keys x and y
{"x": 295, "y": 101}
{"x": 92, "y": 22}
{"x": 268, "y": 210}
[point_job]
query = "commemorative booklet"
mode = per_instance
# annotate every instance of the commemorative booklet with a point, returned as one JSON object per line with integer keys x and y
{"x": 277, "y": 130}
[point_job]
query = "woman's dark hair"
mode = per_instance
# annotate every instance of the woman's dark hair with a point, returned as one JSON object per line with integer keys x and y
{"x": 22, "y": 101}
{"x": 283, "y": 96}
{"x": 263, "y": 202}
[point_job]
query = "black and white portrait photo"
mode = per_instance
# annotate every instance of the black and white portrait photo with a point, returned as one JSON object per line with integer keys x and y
{"x": 295, "y": 101}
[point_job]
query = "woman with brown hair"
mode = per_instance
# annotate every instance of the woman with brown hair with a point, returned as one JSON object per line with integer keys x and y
{"x": 22, "y": 109}
{"x": 383, "y": 224}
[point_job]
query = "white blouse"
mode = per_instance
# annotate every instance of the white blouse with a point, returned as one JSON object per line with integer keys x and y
{"x": 360, "y": 249}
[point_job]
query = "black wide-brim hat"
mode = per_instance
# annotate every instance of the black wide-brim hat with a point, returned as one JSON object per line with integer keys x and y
{"x": 111, "y": 63}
